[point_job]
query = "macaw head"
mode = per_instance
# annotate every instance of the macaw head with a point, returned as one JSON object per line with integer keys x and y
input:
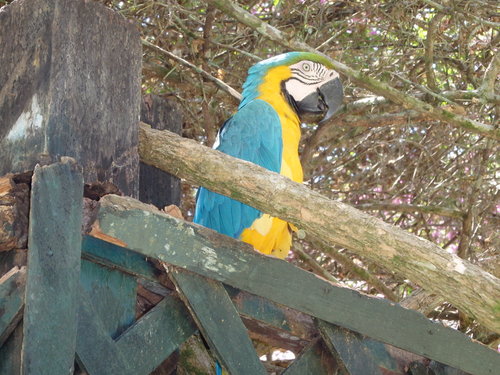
{"x": 306, "y": 80}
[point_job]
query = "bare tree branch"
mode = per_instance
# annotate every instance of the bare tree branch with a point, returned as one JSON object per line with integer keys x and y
{"x": 224, "y": 86}
{"x": 378, "y": 87}
{"x": 410, "y": 208}
{"x": 490, "y": 76}
{"x": 462, "y": 283}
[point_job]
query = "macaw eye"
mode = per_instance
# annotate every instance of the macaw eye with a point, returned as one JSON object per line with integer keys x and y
{"x": 306, "y": 67}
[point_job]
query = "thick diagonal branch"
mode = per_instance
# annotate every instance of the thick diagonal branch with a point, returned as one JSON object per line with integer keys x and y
{"x": 467, "y": 286}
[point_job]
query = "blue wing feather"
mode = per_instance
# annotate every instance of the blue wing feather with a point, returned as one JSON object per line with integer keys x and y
{"x": 253, "y": 134}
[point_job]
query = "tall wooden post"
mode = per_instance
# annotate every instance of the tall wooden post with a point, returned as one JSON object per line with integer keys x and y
{"x": 70, "y": 86}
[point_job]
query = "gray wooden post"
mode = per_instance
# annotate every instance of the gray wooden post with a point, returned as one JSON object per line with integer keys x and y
{"x": 70, "y": 86}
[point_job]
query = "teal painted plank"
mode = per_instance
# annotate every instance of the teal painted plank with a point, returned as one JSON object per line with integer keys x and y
{"x": 10, "y": 353}
{"x": 219, "y": 322}
{"x": 11, "y": 301}
{"x": 278, "y": 325}
{"x": 96, "y": 351}
{"x": 259, "y": 308}
{"x": 113, "y": 295}
{"x": 112, "y": 256}
{"x": 156, "y": 335}
{"x": 54, "y": 243}
{"x": 314, "y": 360}
{"x": 349, "y": 349}
{"x": 200, "y": 250}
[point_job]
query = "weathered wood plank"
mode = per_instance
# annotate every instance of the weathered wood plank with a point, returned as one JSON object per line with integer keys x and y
{"x": 72, "y": 71}
{"x": 271, "y": 323}
{"x": 349, "y": 350}
{"x": 156, "y": 335}
{"x": 11, "y": 301}
{"x": 194, "y": 358}
{"x": 219, "y": 321}
{"x": 315, "y": 359}
{"x": 115, "y": 257}
{"x": 10, "y": 353}
{"x": 54, "y": 244}
{"x": 96, "y": 352}
{"x": 113, "y": 295}
{"x": 264, "y": 318}
{"x": 227, "y": 260}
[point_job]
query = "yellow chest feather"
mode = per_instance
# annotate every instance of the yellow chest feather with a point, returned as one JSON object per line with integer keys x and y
{"x": 268, "y": 234}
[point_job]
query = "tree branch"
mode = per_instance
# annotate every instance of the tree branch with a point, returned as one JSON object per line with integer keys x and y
{"x": 410, "y": 208}
{"x": 462, "y": 283}
{"x": 378, "y": 87}
{"x": 490, "y": 76}
{"x": 224, "y": 86}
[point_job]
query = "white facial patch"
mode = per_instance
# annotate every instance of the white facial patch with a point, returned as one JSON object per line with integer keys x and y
{"x": 307, "y": 77}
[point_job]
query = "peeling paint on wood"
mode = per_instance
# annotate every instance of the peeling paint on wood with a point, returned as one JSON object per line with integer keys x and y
{"x": 283, "y": 283}
{"x": 54, "y": 242}
{"x": 219, "y": 322}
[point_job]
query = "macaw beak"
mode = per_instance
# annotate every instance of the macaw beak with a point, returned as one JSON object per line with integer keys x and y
{"x": 326, "y": 100}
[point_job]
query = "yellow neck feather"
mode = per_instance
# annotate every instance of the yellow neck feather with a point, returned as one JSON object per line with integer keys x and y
{"x": 270, "y": 92}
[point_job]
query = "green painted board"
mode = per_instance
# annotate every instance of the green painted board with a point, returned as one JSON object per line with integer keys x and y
{"x": 156, "y": 335}
{"x": 113, "y": 294}
{"x": 212, "y": 255}
{"x": 260, "y": 308}
{"x": 10, "y": 353}
{"x": 11, "y": 301}
{"x": 349, "y": 349}
{"x": 112, "y": 256}
{"x": 219, "y": 322}
{"x": 96, "y": 351}
{"x": 54, "y": 243}
{"x": 314, "y": 360}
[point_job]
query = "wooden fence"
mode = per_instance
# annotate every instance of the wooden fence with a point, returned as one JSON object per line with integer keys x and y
{"x": 79, "y": 295}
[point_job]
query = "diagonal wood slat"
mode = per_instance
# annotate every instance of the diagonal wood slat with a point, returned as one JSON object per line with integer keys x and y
{"x": 54, "y": 242}
{"x": 219, "y": 322}
{"x": 349, "y": 349}
{"x": 11, "y": 301}
{"x": 96, "y": 351}
{"x": 207, "y": 253}
{"x": 156, "y": 335}
{"x": 314, "y": 360}
{"x": 113, "y": 256}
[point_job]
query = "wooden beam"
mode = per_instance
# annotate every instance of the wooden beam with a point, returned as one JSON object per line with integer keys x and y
{"x": 349, "y": 349}
{"x": 315, "y": 359}
{"x": 271, "y": 323}
{"x": 10, "y": 353}
{"x": 95, "y": 349}
{"x": 113, "y": 295}
{"x": 224, "y": 259}
{"x": 116, "y": 257}
{"x": 219, "y": 321}
{"x": 465, "y": 285}
{"x": 54, "y": 241}
{"x": 266, "y": 320}
{"x": 11, "y": 301}
{"x": 156, "y": 335}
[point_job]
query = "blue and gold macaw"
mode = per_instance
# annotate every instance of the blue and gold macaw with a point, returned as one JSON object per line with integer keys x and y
{"x": 266, "y": 131}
